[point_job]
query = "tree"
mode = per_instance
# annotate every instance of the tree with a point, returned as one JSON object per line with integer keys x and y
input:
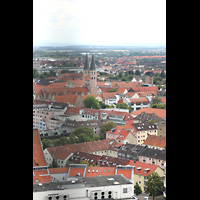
{"x": 54, "y": 164}
{"x": 103, "y": 105}
{"x": 64, "y": 140}
{"x": 120, "y": 74}
{"x": 154, "y": 184}
{"x": 156, "y": 100}
{"x": 162, "y": 74}
{"x": 107, "y": 127}
{"x": 47, "y": 143}
{"x": 72, "y": 138}
{"x": 122, "y": 105}
{"x": 137, "y": 189}
{"x": 35, "y": 73}
{"x": 159, "y": 106}
{"x": 91, "y": 102}
{"x": 137, "y": 72}
{"x": 84, "y": 134}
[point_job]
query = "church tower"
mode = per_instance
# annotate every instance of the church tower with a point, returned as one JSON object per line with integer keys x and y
{"x": 90, "y": 75}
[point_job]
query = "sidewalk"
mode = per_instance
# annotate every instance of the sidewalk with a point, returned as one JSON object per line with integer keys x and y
{"x": 141, "y": 197}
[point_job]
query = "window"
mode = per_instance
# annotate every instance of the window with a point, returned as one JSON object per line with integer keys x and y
{"x": 125, "y": 190}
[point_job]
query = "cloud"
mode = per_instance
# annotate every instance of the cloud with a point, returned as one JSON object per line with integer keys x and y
{"x": 99, "y": 21}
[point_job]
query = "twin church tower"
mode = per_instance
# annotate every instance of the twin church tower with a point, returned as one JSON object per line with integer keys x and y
{"x": 90, "y": 75}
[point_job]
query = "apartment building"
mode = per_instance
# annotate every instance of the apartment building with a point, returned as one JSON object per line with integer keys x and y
{"x": 45, "y": 118}
{"x": 143, "y": 130}
{"x": 63, "y": 153}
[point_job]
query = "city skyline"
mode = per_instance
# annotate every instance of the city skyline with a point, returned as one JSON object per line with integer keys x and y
{"x": 94, "y": 22}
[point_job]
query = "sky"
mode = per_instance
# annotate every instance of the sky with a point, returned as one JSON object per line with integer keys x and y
{"x": 99, "y": 22}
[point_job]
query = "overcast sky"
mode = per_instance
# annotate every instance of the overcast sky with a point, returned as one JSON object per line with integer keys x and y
{"x": 99, "y": 22}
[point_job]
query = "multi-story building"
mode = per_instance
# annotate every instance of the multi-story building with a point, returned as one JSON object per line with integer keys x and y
{"x": 88, "y": 188}
{"x": 143, "y": 130}
{"x": 62, "y": 153}
{"x": 119, "y": 118}
{"x": 138, "y": 103}
{"x": 122, "y": 134}
{"x": 45, "y": 118}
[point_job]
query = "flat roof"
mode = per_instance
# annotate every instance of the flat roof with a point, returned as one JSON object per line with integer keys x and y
{"x": 83, "y": 182}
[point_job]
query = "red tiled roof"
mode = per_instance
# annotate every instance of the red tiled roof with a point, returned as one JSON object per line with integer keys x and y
{"x": 38, "y": 156}
{"x": 42, "y": 176}
{"x": 127, "y": 116}
{"x": 123, "y": 135}
{"x": 75, "y": 171}
{"x": 125, "y": 172}
{"x": 157, "y": 141}
{"x": 122, "y": 90}
{"x": 139, "y": 100}
{"x": 125, "y": 85}
{"x": 67, "y": 99}
{"x": 72, "y": 110}
{"x": 145, "y": 89}
{"x": 108, "y": 95}
{"x": 159, "y": 112}
{"x": 99, "y": 171}
{"x": 120, "y": 128}
{"x": 93, "y": 171}
{"x": 62, "y": 152}
{"x": 58, "y": 170}
{"x": 39, "y": 160}
{"x": 143, "y": 167}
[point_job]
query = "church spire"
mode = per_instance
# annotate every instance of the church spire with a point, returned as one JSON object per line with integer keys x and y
{"x": 92, "y": 65}
{"x": 86, "y": 65}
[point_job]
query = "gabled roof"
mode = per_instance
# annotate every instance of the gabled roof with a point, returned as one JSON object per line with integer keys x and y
{"x": 117, "y": 130}
{"x": 58, "y": 170}
{"x": 125, "y": 85}
{"x": 123, "y": 135}
{"x": 99, "y": 171}
{"x": 145, "y": 126}
{"x": 144, "y": 89}
{"x": 139, "y": 168}
{"x": 72, "y": 110}
{"x": 153, "y": 153}
{"x": 109, "y": 95}
{"x": 121, "y": 90}
{"x": 80, "y": 156}
{"x": 127, "y": 116}
{"x": 142, "y": 166}
{"x": 159, "y": 112}
{"x": 67, "y": 99}
{"x": 156, "y": 141}
{"x": 111, "y": 161}
{"x": 139, "y": 100}
{"x": 38, "y": 156}
{"x": 143, "y": 117}
{"x": 62, "y": 152}
{"x": 39, "y": 174}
